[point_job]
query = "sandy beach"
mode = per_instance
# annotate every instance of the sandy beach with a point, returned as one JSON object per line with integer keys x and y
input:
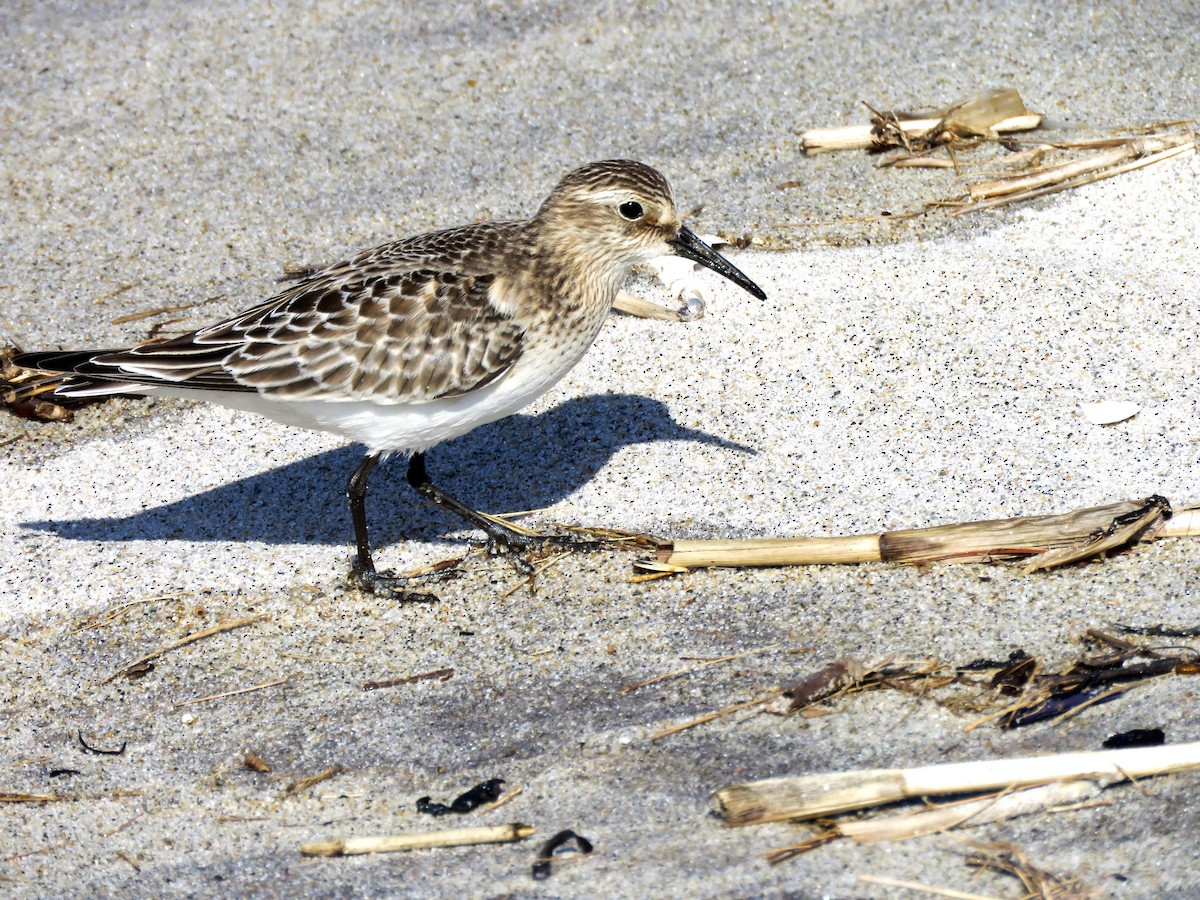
{"x": 900, "y": 374}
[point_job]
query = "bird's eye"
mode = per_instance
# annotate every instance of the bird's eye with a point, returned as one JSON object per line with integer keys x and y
{"x": 631, "y": 210}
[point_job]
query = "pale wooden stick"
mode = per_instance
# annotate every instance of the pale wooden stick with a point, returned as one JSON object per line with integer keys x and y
{"x": 451, "y": 837}
{"x": 811, "y": 796}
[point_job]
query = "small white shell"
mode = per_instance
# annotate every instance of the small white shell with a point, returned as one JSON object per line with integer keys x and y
{"x": 693, "y": 306}
{"x": 1109, "y": 412}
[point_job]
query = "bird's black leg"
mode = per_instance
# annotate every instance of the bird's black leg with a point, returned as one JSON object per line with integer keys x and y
{"x": 500, "y": 537}
{"x": 363, "y": 571}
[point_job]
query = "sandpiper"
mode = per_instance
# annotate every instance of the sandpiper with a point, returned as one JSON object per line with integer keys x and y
{"x": 420, "y": 340}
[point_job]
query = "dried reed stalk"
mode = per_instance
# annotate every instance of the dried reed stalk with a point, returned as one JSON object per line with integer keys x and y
{"x": 450, "y": 837}
{"x": 987, "y": 114}
{"x": 1140, "y": 152}
{"x": 1079, "y": 534}
{"x": 979, "y": 811}
{"x": 812, "y": 796}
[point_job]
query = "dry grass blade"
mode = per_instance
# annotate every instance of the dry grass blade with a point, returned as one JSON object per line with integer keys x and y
{"x": 529, "y": 579}
{"x": 150, "y": 313}
{"x": 703, "y": 665}
{"x": 666, "y": 732}
{"x": 927, "y": 888}
{"x": 645, "y": 309}
{"x": 436, "y": 674}
{"x": 182, "y": 642}
{"x": 1038, "y": 883}
{"x": 234, "y": 692}
{"x": 310, "y": 781}
{"x": 505, "y": 521}
{"x": 508, "y": 797}
{"x": 1051, "y": 175}
{"x": 783, "y": 854}
{"x": 102, "y": 619}
{"x": 22, "y": 797}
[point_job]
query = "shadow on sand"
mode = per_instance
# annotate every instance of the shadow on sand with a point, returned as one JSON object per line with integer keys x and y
{"x": 521, "y": 462}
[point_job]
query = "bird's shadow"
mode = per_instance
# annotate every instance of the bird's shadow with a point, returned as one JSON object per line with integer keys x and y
{"x": 521, "y": 462}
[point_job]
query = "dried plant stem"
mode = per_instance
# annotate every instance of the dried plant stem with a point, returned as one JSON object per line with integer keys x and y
{"x": 811, "y": 796}
{"x": 1071, "y": 536}
{"x": 234, "y": 692}
{"x": 1052, "y": 174}
{"x": 1186, "y": 148}
{"x": 666, "y": 732}
{"x": 645, "y": 309}
{"x": 452, "y": 837}
{"x": 980, "y": 811}
{"x": 191, "y": 638}
{"x": 303, "y": 784}
{"x": 927, "y": 888}
{"x": 22, "y": 797}
{"x": 986, "y": 114}
{"x": 703, "y": 665}
{"x": 795, "y": 551}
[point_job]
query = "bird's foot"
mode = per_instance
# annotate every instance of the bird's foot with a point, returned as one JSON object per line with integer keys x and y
{"x": 388, "y": 584}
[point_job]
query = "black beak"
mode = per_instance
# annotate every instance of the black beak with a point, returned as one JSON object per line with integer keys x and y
{"x": 691, "y": 247}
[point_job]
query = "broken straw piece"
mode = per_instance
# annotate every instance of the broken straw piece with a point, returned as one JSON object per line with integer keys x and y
{"x": 1109, "y": 412}
{"x": 643, "y": 309}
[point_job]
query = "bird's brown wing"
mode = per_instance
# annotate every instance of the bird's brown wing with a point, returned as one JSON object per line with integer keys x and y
{"x": 375, "y": 327}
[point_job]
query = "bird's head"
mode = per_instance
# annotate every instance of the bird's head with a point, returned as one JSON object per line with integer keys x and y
{"x": 622, "y": 210}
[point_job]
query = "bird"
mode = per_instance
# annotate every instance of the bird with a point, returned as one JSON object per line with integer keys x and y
{"x": 417, "y": 341}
